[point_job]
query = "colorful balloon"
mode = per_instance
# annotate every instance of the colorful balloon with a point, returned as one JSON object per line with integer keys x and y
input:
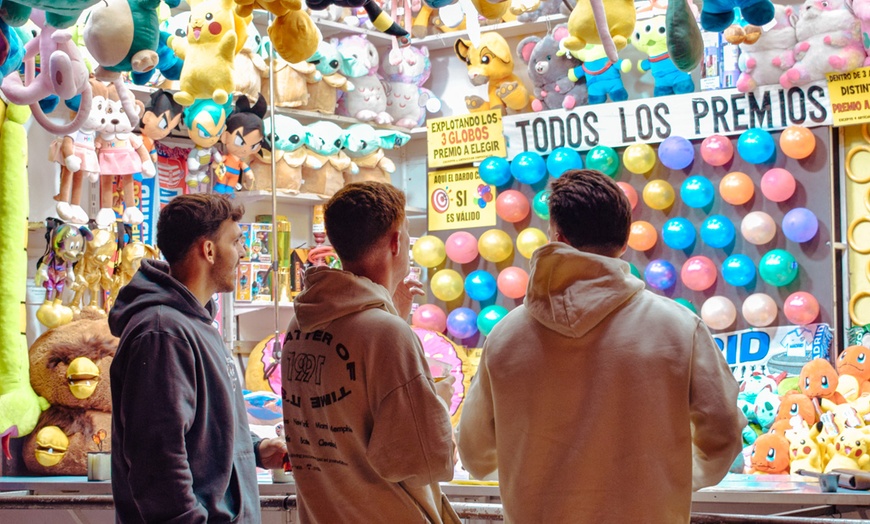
{"x": 778, "y": 268}
{"x": 797, "y": 142}
{"x": 446, "y": 285}
{"x": 759, "y": 310}
{"x": 686, "y": 304}
{"x": 756, "y": 146}
{"x": 660, "y": 274}
{"x": 758, "y": 228}
{"x": 529, "y": 240}
{"x": 428, "y": 251}
{"x": 717, "y": 231}
{"x": 738, "y": 270}
{"x": 717, "y": 150}
{"x": 604, "y": 159}
{"x": 633, "y": 269}
{"x": 676, "y": 152}
{"x": 512, "y": 206}
{"x": 718, "y": 312}
{"x": 697, "y": 191}
{"x": 512, "y": 282}
{"x": 777, "y": 185}
{"x": 480, "y": 285}
{"x": 462, "y": 323}
{"x": 630, "y": 193}
{"x": 658, "y": 194}
{"x": 461, "y": 247}
{"x": 736, "y": 188}
{"x": 489, "y": 317}
{"x": 528, "y": 168}
{"x": 800, "y": 225}
{"x": 541, "y": 204}
{"x": 431, "y": 317}
{"x": 642, "y": 236}
{"x": 639, "y": 158}
{"x": 698, "y": 273}
{"x": 495, "y": 170}
{"x": 562, "y": 159}
{"x": 801, "y": 308}
{"x": 678, "y": 233}
{"x": 495, "y": 245}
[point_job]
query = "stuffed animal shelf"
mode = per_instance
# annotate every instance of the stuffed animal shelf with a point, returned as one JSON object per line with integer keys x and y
{"x": 288, "y": 144}
{"x": 65, "y": 245}
{"x": 491, "y": 63}
{"x": 241, "y": 141}
{"x": 323, "y": 171}
{"x": 323, "y": 87}
{"x": 359, "y": 63}
{"x": 407, "y": 100}
{"x": 123, "y": 35}
{"x": 548, "y": 71}
{"x": 650, "y": 38}
{"x": 603, "y": 77}
{"x": 365, "y": 147}
{"x": 764, "y": 61}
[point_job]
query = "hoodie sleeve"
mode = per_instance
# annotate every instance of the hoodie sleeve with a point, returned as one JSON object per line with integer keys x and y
{"x": 717, "y": 423}
{"x": 156, "y": 408}
{"x": 475, "y": 434}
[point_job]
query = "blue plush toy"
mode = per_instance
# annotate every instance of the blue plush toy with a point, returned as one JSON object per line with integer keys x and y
{"x": 650, "y": 37}
{"x": 603, "y": 77}
{"x": 717, "y": 15}
{"x": 168, "y": 64}
{"x": 11, "y": 50}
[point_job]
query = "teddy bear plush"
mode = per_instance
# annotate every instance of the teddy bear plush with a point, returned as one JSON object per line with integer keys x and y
{"x": 407, "y": 99}
{"x": 490, "y": 63}
{"x": 548, "y": 71}
{"x": 763, "y": 62}
{"x": 650, "y": 37}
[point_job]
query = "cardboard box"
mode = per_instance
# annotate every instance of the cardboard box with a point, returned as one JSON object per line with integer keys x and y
{"x": 244, "y": 279}
{"x": 261, "y": 285}
{"x": 298, "y": 263}
{"x": 261, "y": 243}
{"x": 247, "y": 234}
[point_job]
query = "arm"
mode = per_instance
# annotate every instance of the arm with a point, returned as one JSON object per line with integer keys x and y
{"x": 475, "y": 434}
{"x": 717, "y": 423}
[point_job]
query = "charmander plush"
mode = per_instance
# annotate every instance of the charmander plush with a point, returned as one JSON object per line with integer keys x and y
{"x": 491, "y": 63}
{"x": 770, "y": 455}
{"x": 818, "y": 380}
{"x": 797, "y": 405}
{"x": 853, "y": 361}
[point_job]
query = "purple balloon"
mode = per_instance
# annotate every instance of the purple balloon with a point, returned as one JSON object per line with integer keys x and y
{"x": 676, "y": 152}
{"x": 660, "y": 274}
{"x": 462, "y": 322}
{"x": 800, "y": 225}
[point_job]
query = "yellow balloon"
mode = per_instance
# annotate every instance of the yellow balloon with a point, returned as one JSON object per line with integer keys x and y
{"x": 495, "y": 245}
{"x": 529, "y": 240}
{"x": 446, "y": 285}
{"x": 639, "y": 158}
{"x": 428, "y": 251}
{"x": 658, "y": 194}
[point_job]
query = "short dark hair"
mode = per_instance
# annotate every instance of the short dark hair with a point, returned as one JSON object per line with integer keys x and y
{"x": 187, "y": 218}
{"x": 590, "y": 210}
{"x": 359, "y": 215}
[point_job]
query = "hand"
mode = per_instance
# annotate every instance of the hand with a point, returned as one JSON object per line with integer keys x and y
{"x": 272, "y": 452}
{"x": 404, "y": 296}
{"x": 73, "y": 163}
{"x": 444, "y": 389}
{"x": 148, "y": 169}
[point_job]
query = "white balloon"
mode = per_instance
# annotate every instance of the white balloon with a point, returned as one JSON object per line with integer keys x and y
{"x": 718, "y": 312}
{"x": 759, "y": 310}
{"x": 758, "y": 228}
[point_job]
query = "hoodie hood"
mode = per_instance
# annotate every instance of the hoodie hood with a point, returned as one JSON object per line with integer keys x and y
{"x": 572, "y": 291}
{"x": 331, "y": 294}
{"x": 153, "y": 286}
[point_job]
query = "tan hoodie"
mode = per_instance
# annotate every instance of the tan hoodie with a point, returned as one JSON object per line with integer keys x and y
{"x": 608, "y": 403}
{"x": 368, "y": 438}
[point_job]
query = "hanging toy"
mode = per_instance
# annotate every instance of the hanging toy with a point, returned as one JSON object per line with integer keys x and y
{"x": 651, "y": 39}
{"x": 160, "y": 119}
{"x": 242, "y": 140}
{"x": 205, "y": 121}
{"x": 65, "y": 245}
{"x": 94, "y": 272}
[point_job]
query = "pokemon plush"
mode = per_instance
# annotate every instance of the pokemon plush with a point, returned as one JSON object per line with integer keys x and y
{"x": 853, "y": 361}
{"x": 407, "y": 99}
{"x": 608, "y": 24}
{"x": 292, "y": 32}
{"x": 548, "y": 71}
{"x": 94, "y": 272}
{"x": 651, "y": 39}
{"x": 160, "y": 118}
{"x": 365, "y": 148}
{"x": 763, "y": 62}
{"x": 323, "y": 89}
{"x": 11, "y": 49}
{"x": 531, "y": 10}
{"x": 359, "y": 62}
{"x": 770, "y": 455}
{"x": 818, "y": 380}
{"x": 287, "y": 143}
{"x": 685, "y": 43}
{"x": 797, "y": 404}
{"x": 58, "y": 14}
{"x": 803, "y": 450}
{"x": 323, "y": 171}
{"x": 64, "y": 246}
{"x": 205, "y": 121}
{"x": 603, "y": 77}
{"x": 850, "y": 451}
{"x": 122, "y": 35}
{"x": 717, "y": 15}
{"x": 766, "y": 406}
{"x": 490, "y": 62}
{"x": 241, "y": 140}
{"x": 381, "y": 20}
{"x": 829, "y": 40}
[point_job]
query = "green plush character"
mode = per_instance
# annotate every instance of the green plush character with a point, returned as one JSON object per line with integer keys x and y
{"x": 58, "y": 13}
{"x": 650, "y": 37}
{"x": 122, "y": 35}
{"x": 20, "y": 406}
{"x": 684, "y": 36}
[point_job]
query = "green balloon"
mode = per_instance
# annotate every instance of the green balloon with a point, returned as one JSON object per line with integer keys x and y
{"x": 686, "y": 304}
{"x": 778, "y": 268}
{"x": 489, "y": 317}
{"x": 604, "y": 159}
{"x": 541, "y": 204}
{"x": 634, "y": 270}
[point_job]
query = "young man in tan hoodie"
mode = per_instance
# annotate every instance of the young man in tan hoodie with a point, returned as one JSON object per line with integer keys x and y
{"x": 596, "y": 400}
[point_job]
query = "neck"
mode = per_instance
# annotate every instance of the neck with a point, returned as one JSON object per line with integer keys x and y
{"x": 194, "y": 280}
{"x": 375, "y": 271}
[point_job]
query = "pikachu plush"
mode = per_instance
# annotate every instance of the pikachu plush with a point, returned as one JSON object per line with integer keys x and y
{"x": 607, "y": 23}
{"x": 208, "y": 53}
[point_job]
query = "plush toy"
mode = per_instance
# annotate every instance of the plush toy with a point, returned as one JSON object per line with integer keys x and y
{"x": 608, "y": 24}
{"x": 797, "y": 404}
{"x": 168, "y": 64}
{"x": 292, "y": 32}
{"x": 65, "y": 245}
{"x": 122, "y": 35}
{"x": 829, "y": 40}
{"x": 685, "y": 43}
{"x": 161, "y": 117}
{"x": 763, "y": 62}
{"x": 359, "y": 62}
{"x": 292, "y": 81}
{"x": 850, "y": 451}
{"x": 287, "y": 143}
{"x": 603, "y": 77}
{"x": 766, "y": 406}
{"x": 128, "y": 264}
{"x": 651, "y": 39}
{"x": 407, "y": 99}
{"x": 717, "y": 15}
{"x": 853, "y": 361}
{"x": 249, "y": 68}
{"x": 548, "y": 71}
{"x": 818, "y": 380}
{"x": 803, "y": 450}
{"x": 323, "y": 90}
{"x": 770, "y": 455}
{"x": 94, "y": 272}
{"x": 205, "y": 121}
{"x": 365, "y": 148}
{"x": 11, "y": 49}
{"x": 381, "y": 20}
{"x": 531, "y": 10}
{"x": 752, "y": 429}
{"x": 322, "y": 173}
{"x": 241, "y": 140}
{"x": 58, "y": 14}
{"x": 861, "y": 8}
{"x": 758, "y": 382}
{"x": 490, "y": 62}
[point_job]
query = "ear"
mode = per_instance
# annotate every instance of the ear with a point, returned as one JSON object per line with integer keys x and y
{"x": 86, "y": 233}
{"x": 560, "y": 32}
{"x": 526, "y": 46}
{"x": 141, "y": 107}
{"x": 500, "y": 48}
{"x": 461, "y": 48}
{"x": 395, "y": 242}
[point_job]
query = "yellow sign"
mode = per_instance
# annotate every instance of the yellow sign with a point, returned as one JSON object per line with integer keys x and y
{"x": 458, "y": 199}
{"x": 850, "y": 96}
{"x": 464, "y": 139}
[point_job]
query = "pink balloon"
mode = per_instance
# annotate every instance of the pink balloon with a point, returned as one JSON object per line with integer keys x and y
{"x": 431, "y": 317}
{"x": 801, "y": 308}
{"x": 629, "y": 192}
{"x": 461, "y": 247}
{"x": 512, "y": 206}
{"x": 717, "y": 150}
{"x": 777, "y": 185}
{"x": 698, "y": 273}
{"x": 512, "y": 282}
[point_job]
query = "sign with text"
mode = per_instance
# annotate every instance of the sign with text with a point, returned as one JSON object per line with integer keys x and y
{"x": 458, "y": 199}
{"x": 774, "y": 349}
{"x": 850, "y": 96}
{"x": 464, "y": 139}
{"x": 692, "y": 116}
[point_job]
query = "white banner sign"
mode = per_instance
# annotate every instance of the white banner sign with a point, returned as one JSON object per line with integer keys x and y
{"x": 651, "y": 120}
{"x": 774, "y": 349}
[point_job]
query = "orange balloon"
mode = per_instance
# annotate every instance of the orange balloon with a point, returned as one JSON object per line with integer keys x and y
{"x": 736, "y": 188}
{"x": 797, "y": 142}
{"x": 642, "y": 236}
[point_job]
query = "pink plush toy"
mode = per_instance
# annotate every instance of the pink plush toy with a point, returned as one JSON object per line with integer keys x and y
{"x": 829, "y": 40}
{"x": 763, "y": 62}
{"x": 861, "y": 8}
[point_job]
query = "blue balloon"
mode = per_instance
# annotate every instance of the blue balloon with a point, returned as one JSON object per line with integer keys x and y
{"x": 756, "y": 146}
{"x": 717, "y": 231}
{"x": 738, "y": 270}
{"x": 480, "y": 285}
{"x": 462, "y": 322}
{"x": 563, "y": 159}
{"x": 495, "y": 170}
{"x": 678, "y": 233}
{"x": 800, "y": 225}
{"x": 528, "y": 168}
{"x": 697, "y": 191}
{"x": 660, "y": 274}
{"x": 676, "y": 152}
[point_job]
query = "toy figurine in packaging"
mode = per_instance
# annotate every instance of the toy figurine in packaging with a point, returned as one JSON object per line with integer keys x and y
{"x": 261, "y": 242}
{"x": 241, "y": 140}
{"x": 261, "y": 286}
{"x": 65, "y": 245}
{"x": 244, "y": 279}
{"x": 205, "y": 121}
{"x": 160, "y": 119}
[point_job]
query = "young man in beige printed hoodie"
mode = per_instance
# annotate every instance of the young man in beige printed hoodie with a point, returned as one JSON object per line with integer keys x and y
{"x": 596, "y": 400}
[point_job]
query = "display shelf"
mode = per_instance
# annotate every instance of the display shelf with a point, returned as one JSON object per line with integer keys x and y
{"x": 505, "y": 29}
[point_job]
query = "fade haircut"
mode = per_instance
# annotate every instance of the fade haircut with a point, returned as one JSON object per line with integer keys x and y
{"x": 590, "y": 210}
{"x": 188, "y": 218}
{"x": 359, "y": 215}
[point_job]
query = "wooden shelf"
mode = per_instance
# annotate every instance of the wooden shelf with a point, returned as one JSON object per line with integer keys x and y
{"x": 506, "y": 29}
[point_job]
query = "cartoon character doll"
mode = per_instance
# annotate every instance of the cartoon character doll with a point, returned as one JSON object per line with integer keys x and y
{"x": 241, "y": 140}
{"x": 65, "y": 245}
{"x": 205, "y": 121}
{"x": 159, "y": 120}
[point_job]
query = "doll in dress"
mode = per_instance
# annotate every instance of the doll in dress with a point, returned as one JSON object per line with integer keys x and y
{"x": 205, "y": 121}
{"x": 241, "y": 140}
